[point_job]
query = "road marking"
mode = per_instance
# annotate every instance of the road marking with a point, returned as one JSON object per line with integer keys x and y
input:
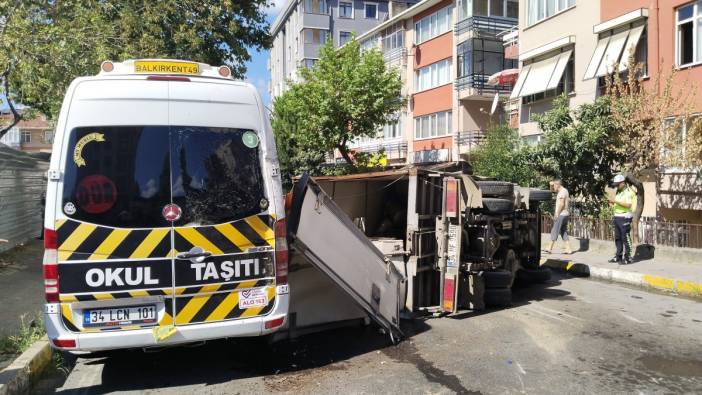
{"x": 630, "y": 318}
{"x": 547, "y": 315}
{"x": 559, "y": 313}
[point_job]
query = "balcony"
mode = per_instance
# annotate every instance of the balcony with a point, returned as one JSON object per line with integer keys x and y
{"x": 484, "y": 25}
{"x": 468, "y": 140}
{"x": 475, "y": 85}
{"x": 396, "y": 56}
{"x": 393, "y": 149}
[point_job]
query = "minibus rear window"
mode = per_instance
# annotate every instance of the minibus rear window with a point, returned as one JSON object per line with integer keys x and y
{"x": 118, "y": 176}
{"x": 124, "y": 176}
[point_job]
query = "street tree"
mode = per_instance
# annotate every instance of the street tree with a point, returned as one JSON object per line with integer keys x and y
{"x": 348, "y": 94}
{"x": 580, "y": 148}
{"x": 504, "y": 156}
{"x": 648, "y": 117}
{"x": 44, "y": 45}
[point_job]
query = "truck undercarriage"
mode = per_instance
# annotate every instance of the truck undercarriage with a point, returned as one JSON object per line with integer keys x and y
{"x": 424, "y": 239}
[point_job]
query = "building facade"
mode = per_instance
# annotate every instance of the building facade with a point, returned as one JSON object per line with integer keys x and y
{"x": 445, "y": 52}
{"x": 304, "y": 25}
{"x": 32, "y": 135}
{"x": 568, "y": 46}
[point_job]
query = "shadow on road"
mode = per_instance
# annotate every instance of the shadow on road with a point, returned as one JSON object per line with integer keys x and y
{"x": 226, "y": 360}
{"x": 524, "y": 294}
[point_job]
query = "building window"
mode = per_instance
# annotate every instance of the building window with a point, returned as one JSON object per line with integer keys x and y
{"x": 315, "y": 36}
{"x": 371, "y": 10}
{"x": 26, "y": 137}
{"x": 538, "y": 10}
{"x": 48, "y": 136}
{"x": 392, "y": 130}
{"x": 494, "y": 8}
{"x": 316, "y": 6}
{"x": 689, "y": 35}
{"x": 394, "y": 40}
{"x": 676, "y": 130}
{"x": 432, "y": 25}
{"x": 369, "y": 43}
{"x": 309, "y": 63}
{"x": 433, "y": 125}
{"x": 482, "y": 57}
{"x": 434, "y": 75}
{"x": 344, "y": 37}
{"x": 565, "y": 85}
{"x": 345, "y": 9}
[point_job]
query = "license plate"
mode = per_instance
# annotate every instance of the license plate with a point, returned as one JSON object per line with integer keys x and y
{"x": 118, "y": 316}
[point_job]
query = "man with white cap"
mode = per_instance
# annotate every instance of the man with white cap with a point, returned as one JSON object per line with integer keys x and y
{"x": 623, "y": 205}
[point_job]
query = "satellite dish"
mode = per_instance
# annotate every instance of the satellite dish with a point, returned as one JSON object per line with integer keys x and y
{"x": 495, "y": 102}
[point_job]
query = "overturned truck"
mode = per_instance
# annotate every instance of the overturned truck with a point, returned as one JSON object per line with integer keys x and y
{"x": 431, "y": 239}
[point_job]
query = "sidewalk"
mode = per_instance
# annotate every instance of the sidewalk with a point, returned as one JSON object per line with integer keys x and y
{"x": 21, "y": 285}
{"x": 676, "y": 270}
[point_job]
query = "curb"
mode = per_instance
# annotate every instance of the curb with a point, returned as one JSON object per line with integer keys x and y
{"x": 646, "y": 281}
{"x": 24, "y": 371}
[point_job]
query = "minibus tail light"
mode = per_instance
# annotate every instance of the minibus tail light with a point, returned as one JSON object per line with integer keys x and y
{"x": 51, "y": 277}
{"x": 281, "y": 252}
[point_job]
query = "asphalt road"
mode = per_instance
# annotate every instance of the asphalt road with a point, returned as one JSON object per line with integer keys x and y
{"x": 572, "y": 336}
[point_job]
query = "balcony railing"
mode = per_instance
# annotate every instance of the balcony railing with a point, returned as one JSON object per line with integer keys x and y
{"x": 651, "y": 231}
{"x": 485, "y": 24}
{"x": 469, "y": 139}
{"x": 395, "y": 54}
{"x": 479, "y": 82}
{"x": 397, "y": 149}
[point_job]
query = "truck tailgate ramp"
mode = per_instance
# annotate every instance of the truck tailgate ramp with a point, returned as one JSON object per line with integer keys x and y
{"x": 320, "y": 231}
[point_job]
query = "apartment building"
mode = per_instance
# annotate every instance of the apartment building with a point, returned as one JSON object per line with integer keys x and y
{"x": 570, "y": 45}
{"x": 304, "y": 25}
{"x": 555, "y": 44}
{"x": 31, "y": 135}
{"x": 445, "y": 51}
{"x": 671, "y": 38}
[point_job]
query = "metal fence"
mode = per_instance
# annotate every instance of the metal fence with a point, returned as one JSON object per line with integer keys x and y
{"x": 22, "y": 186}
{"x": 651, "y": 231}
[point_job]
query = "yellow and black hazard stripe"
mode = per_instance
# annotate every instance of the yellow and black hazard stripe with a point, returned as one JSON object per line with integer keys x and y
{"x": 201, "y": 289}
{"x": 70, "y": 324}
{"x": 219, "y": 306}
{"x": 83, "y": 241}
{"x": 89, "y": 297}
{"x": 232, "y": 237}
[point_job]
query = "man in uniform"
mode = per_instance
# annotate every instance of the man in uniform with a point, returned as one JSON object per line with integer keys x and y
{"x": 623, "y": 205}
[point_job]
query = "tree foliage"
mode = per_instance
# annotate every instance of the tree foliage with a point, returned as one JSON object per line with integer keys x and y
{"x": 504, "y": 156}
{"x": 44, "y": 45}
{"x": 580, "y": 148}
{"x": 649, "y": 119}
{"x": 348, "y": 94}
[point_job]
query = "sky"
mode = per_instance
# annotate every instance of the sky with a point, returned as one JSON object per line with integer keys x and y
{"x": 257, "y": 69}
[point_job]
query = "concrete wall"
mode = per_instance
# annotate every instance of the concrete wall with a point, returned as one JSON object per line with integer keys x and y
{"x": 22, "y": 185}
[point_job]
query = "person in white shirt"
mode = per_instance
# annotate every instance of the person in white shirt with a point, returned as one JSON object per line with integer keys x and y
{"x": 560, "y": 216}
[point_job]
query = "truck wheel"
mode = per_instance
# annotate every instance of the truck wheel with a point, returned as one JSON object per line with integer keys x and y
{"x": 498, "y": 206}
{"x": 539, "y": 195}
{"x": 497, "y": 279}
{"x": 498, "y": 297}
{"x": 539, "y": 275}
{"x": 496, "y": 188}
